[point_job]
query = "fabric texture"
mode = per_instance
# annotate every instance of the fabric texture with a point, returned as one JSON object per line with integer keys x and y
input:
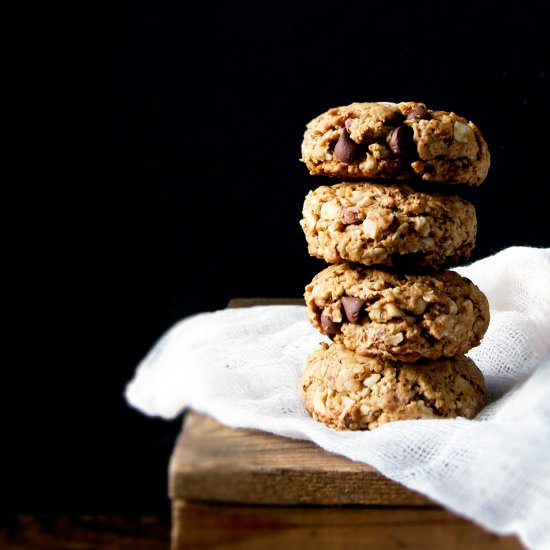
{"x": 243, "y": 366}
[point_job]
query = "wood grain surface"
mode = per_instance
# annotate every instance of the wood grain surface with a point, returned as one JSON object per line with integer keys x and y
{"x": 212, "y": 462}
{"x": 198, "y": 525}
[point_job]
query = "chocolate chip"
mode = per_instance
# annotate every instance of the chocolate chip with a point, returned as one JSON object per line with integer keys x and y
{"x": 346, "y": 149}
{"x": 350, "y": 215}
{"x": 352, "y": 308}
{"x": 329, "y": 326}
{"x": 417, "y": 112}
{"x": 395, "y": 167}
{"x": 401, "y": 141}
{"x": 347, "y": 420}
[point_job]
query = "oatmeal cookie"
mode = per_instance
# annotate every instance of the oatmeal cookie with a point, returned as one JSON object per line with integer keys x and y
{"x": 373, "y": 223}
{"x": 348, "y": 391}
{"x": 397, "y": 316}
{"x": 401, "y": 141}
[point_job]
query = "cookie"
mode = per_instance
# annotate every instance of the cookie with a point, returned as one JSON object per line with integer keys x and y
{"x": 372, "y": 223}
{"x": 401, "y": 141}
{"x": 348, "y": 391}
{"x": 397, "y": 316}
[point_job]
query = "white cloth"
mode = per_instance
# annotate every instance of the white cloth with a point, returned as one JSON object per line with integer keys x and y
{"x": 242, "y": 366}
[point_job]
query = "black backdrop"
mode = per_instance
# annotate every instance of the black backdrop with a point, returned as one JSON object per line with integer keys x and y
{"x": 182, "y": 128}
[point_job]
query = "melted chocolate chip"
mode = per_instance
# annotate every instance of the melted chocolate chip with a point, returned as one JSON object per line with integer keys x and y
{"x": 417, "y": 112}
{"x": 350, "y": 215}
{"x": 352, "y": 308}
{"x": 346, "y": 149}
{"x": 401, "y": 141}
{"x": 395, "y": 167}
{"x": 329, "y": 326}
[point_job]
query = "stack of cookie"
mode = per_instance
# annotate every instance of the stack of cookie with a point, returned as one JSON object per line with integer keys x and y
{"x": 400, "y": 322}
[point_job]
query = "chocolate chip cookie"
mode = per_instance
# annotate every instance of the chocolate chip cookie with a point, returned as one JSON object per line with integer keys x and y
{"x": 402, "y": 141}
{"x": 372, "y": 223}
{"x": 348, "y": 391}
{"x": 397, "y": 316}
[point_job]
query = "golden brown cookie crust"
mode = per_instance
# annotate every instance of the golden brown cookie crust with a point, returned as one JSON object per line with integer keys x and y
{"x": 399, "y": 316}
{"x": 435, "y": 146}
{"x": 348, "y": 391}
{"x": 377, "y": 224}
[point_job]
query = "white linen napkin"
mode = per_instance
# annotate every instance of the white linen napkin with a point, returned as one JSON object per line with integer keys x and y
{"x": 242, "y": 366}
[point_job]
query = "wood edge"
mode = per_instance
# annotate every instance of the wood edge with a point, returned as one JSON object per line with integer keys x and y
{"x": 280, "y": 490}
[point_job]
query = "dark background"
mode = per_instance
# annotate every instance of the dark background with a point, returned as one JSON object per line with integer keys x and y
{"x": 180, "y": 128}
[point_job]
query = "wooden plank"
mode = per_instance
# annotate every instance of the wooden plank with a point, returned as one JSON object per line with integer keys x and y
{"x": 198, "y": 526}
{"x": 212, "y": 462}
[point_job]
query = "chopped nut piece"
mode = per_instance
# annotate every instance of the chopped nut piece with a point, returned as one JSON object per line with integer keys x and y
{"x": 319, "y": 403}
{"x": 379, "y": 253}
{"x": 429, "y": 296}
{"x": 347, "y": 402}
{"x": 330, "y": 210}
{"x": 364, "y": 410}
{"x": 371, "y": 380}
{"x": 393, "y": 311}
{"x": 370, "y": 228}
{"x": 394, "y": 339}
{"x": 462, "y": 132}
{"x": 376, "y": 315}
{"x": 420, "y": 307}
{"x": 420, "y": 225}
{"x": 351, "y": 384}
{"x": 309, "y": 221}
